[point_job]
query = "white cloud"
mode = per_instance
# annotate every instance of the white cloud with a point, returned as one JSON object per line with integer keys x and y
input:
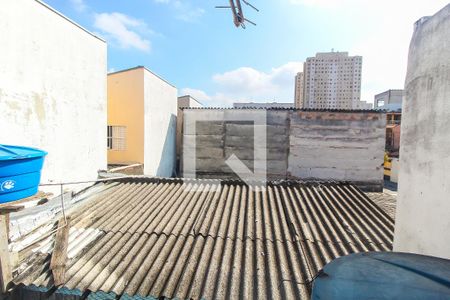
{"x": 183, "y": 10}
{"x": 79, "y": 5}
{"x": 122, "y": 30}
{"x": 217, "y": 99}
{"x": 197, "y": 94}
{"x": 190, "y": 15}
{"x": 385, "y": 50}
{"x": 247, "y": 84}
{"x": 322, "y": 3}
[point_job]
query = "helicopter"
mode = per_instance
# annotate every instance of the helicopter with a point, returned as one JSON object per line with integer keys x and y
{"x": 238, "y": 14}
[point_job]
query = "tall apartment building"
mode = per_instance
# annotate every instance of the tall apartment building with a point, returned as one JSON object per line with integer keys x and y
{"x": 332, "y": 80}
{"x": 299, "y": 79}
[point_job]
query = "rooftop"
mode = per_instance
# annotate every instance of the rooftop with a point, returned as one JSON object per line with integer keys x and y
{"x": 202, "y": 239}
{"x": 332, "y": 110}
{"x": 68, "y": 19}
{"x": 263, "y": 105}
{"x": 138, "y": 68}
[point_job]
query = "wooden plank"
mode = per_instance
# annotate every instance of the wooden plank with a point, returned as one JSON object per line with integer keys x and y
{"x": 5, "y": 263}
{"x": 10, "y": 208}
{"x": 59, "y": 255}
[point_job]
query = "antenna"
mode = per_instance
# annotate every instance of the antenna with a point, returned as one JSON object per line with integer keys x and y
{"x": 238, "y": 14}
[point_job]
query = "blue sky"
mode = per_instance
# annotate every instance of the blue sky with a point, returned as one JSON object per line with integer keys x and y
{"x": 197, "y": 48}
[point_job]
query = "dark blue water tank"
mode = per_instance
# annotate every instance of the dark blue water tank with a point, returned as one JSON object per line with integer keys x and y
{"x": 384, "y": 275}
{"x": 20, "y": 172}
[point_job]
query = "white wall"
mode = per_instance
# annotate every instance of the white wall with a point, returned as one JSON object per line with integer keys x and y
{"x": 395, "y": 169}
{"x": 52, "y": 89}
{"x": 160, "y": 120}
{"x": 423, "y": 207}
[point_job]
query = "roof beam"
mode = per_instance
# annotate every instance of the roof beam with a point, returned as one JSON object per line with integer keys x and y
{"x": 5, "y": 263}
{"x": 59, "y": 255}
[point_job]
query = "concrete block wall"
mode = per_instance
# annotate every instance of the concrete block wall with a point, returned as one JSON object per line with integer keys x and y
{"x": 299, "y": 144}
{"x": 218, "y": 139}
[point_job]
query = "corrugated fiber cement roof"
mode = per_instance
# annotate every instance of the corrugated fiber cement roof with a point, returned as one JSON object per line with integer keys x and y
{"x": 150, "y": 238}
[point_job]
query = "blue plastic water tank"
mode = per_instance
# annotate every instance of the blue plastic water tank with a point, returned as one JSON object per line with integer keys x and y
{"x": 20, "y": 172}
{"x": 383, "y": 275}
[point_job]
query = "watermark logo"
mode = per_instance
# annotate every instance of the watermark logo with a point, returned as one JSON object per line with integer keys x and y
{"x": 225, "y": 144}
{"x": 7, "y": 185}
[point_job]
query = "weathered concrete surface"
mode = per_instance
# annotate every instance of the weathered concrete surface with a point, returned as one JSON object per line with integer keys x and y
{"x": 52, "y": 90}
{"x": 217, "y": 140}
{"x": 423, "y": 211}
{"x": 300, "y": 144}
{"x": 338, "y": 146}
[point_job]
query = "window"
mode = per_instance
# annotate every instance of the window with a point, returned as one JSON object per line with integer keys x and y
{"x": 116, "y": 138}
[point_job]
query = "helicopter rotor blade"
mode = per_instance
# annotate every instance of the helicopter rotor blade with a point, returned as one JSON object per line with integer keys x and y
{"x": 247, "y": 20}
{"x": 249, "y": 4}
{"x": 238, "y": 13}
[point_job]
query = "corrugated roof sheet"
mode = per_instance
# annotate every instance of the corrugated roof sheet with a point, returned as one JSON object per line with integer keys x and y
{"x": 203, "y": 239}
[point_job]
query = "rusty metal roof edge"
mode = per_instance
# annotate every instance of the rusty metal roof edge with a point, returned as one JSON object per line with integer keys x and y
{"x": 290, "y": 109}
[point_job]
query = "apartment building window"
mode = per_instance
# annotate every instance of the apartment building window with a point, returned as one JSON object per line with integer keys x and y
{"x": 116, "y": 138}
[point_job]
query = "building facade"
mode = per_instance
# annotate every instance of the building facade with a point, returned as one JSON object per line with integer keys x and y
{"x": 299, "y": 82}
{"x": 388, "y": 97}
{"x": 332, "y": 80}
{"x": 423, "y": 207}
{"x": 53, "y": 90}
{"x": 142, "y": 110}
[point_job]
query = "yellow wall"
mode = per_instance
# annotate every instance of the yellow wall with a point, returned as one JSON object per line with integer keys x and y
{"x": 126, "y": 108}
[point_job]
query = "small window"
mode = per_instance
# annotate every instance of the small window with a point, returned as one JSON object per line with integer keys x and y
{"x": 116, "y": 138}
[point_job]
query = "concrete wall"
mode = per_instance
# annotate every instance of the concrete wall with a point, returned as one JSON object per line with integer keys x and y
{"x": 183, "y": 101}
{"x": 232, "y": 132}
{"x": 395, "y": 169}
{"x": 423, "y": 207}
{"x": 52, "y": 89}
{"x": 341, "y": 146}
{"x": 300, "y": 144}
{"x": 263, "y": 105}
{"x": 126, "y": 108}
{"x": 388, "y": 97}
{"x": 160, "y": 118}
